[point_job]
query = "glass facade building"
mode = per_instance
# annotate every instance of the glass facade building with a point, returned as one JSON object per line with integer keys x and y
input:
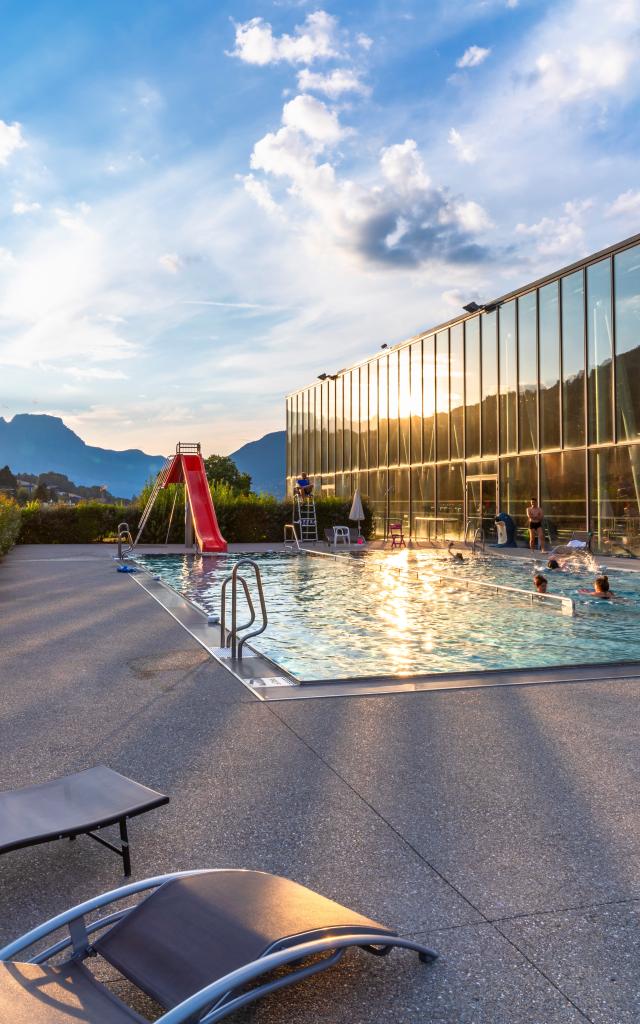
{"x": 536, "y": 395}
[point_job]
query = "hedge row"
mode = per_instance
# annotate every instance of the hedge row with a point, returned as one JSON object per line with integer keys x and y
{"x": 243, "y": 519}
{"x": 9, "y": 523}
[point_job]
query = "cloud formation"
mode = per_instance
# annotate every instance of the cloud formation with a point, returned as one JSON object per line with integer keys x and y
{"x": 314, "y": 40}
{"x": 472, "y": 57}
{"x": 11, "y": 139}
{"x": 333, "y": 84}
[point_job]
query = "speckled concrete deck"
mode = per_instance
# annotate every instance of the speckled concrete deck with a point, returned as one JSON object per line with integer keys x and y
{"x": 499, "y": 824}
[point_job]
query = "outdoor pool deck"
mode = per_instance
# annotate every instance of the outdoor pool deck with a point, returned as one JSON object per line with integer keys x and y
{"x": 498, "y": 824}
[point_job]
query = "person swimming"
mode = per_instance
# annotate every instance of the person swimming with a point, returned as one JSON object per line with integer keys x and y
{"x": 600, "y": 589}
{"x": 553, "y": 563}
{"x": 456, "y": 556}
{"x": 540, "y": 582}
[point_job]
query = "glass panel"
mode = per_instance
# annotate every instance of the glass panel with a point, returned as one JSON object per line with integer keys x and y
{"x": 416, "y": 402}
{"x": 383, "y": 413}
{"x": 563, "y": 493}
{"x": 442, "y": 394}
{"x": 429, "y": 399}
{"x": 599, "y": 351}
{"x": 355, "y": 418}
{"x": 528, "y": 373}
{"x": 572, "y": 291}
{"x": 615, "y": 499}
{"x": 549, "y": 366}
{"x": 339, "y": 426}
{"x": 489, "y": 385}
{"x": 317, "y": 431}
{"x": 332, "y": 426}
{"x": 399, "y": 494}
{"x": 346, "y": 413}
{"x": 508, "y": 381}
{"x": 472, "y": 386}
{"x": 373, "y": 413}
{"x": 364, "y": 416}
{"x": 518, "y": 484}
{"x": 423, "y": 499}
{"x": 289, "y": 426}
{"x": 627, "y": 290}
{"x": 325, "y": 426}
{"x": 456, "y": 376}
{"x": 450, "y": 480}
{"x": 378, "y": 498}
{"x": 405, "y": 406}
{"x": 393, "y": 409}
{"x": 305, "y": 433}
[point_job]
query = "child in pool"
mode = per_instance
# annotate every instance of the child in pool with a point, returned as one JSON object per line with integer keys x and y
{"x": 600, "y": 589}
{"x": 540, "y": 582}
{"x": 455, "y": 555}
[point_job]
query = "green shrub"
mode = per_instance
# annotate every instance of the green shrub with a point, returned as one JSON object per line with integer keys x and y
{"x": 243, "y": 518}
{"x": 9, "y": 523}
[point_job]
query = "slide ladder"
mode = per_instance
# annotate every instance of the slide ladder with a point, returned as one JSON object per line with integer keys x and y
{"x": 305, "y": 517}
{"x": 155, "y": 490}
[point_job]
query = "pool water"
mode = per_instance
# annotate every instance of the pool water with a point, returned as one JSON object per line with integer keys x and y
{"x": 388, "y": 614}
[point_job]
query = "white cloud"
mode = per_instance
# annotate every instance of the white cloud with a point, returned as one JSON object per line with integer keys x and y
{"x": 314, "y": 40}
{"x": 94, "y": 373}
{"x": 21, "y": 207}
{"x": 366, "y": 42}
{"x": 11, "y": 139}
{"x": 472, "y": 57}
{"x": 171, "y": 262}
{"x": 7, "y": 258}
{"x": 561, "y": 235}
{"x": 472, "y": 216}
{"x": 334, "y": 84}
{"x": 627, "y": 204}
{"x": 512, "y": 3}
{"x": 585, "y": 72}
{"x": 465, "y": 151}
{"x": 259, "y": 192}
{"x": 312, "y": 117}
{"x": 403, "y": 168}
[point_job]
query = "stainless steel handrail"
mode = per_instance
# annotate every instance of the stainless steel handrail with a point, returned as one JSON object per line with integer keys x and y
{"x": 124, "y": 537}
{"x": 293, "y": 539}
{"x": 478, "y": 537}
{"x": 233, "y": 640}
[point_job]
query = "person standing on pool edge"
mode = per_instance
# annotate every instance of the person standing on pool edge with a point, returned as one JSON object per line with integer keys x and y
{"x": 535, "y": 515}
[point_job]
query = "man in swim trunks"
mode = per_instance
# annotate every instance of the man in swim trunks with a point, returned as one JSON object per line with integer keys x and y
{"x": 535, "y": 515}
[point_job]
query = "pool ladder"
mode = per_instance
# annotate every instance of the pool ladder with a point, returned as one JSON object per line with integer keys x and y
{"x": 478, "y": 540}
{"x": 232, "y": 639}
{"x": 124, "y": 537}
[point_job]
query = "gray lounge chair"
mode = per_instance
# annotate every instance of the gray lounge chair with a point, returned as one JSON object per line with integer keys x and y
{"x": 193, "y": 945}
{"x": 75, "y": 805}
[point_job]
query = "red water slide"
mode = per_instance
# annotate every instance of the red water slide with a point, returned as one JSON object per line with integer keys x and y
{"x": 189, "y": 469}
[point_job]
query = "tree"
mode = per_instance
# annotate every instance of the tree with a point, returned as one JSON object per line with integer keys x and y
{"x": 8, "y": 481}
{"x": 41, "y": 493}
{"x": 220, "y": 469}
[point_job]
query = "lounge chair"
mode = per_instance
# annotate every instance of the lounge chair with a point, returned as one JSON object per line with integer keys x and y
{"x": 75, "y": 805}
{"x": 192, "y": 945}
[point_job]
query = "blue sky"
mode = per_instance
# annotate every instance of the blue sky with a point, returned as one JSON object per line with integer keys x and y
{"x": 204, "y": 205}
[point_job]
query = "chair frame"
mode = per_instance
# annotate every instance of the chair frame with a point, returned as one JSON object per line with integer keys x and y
{"x": 220, "y": 998}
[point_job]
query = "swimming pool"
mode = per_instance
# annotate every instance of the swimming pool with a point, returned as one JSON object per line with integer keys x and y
{"x": 386, "y": 614}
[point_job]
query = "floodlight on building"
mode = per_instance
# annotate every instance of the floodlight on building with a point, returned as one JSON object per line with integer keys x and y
{"x": 472, "y": 307}
{"x": 322, "y": 376}
{"x": 384, "y": 346}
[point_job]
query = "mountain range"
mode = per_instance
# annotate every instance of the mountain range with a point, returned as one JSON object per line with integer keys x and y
{"x": 36, "y": 443}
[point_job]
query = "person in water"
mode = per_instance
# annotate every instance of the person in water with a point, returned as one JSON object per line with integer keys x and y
{"x": 455, "y": 555}
{"x": 535, "y": 515}
{"x": 600, "y": 589}
{"x": 540, "y": 582}
{"x": 553, "y": 563}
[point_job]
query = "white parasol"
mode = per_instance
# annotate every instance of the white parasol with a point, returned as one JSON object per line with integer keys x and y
{"x": 357, "y": 511}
